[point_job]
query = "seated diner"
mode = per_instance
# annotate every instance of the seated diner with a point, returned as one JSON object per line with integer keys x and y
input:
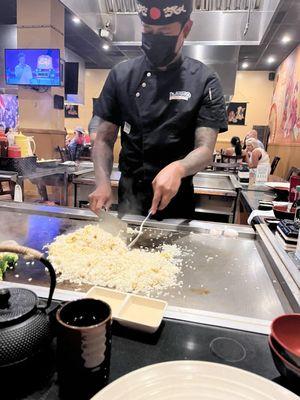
{"x": 255, "y": 155}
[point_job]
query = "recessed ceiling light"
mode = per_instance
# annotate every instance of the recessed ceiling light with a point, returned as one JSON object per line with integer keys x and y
{"x": 245, "y": 65}
{"x": 76, "y": 20}
{"x": 105, "y": 46}
{"x": 286, "y": 39}
{"x": 270, "y": 60}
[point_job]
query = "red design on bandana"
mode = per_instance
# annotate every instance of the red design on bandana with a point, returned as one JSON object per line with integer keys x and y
{"x": 155, "y": 13}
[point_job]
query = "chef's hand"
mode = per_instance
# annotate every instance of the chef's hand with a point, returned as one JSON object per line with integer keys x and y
{"x": 101, "y": 198}
{"x": 166, "y": 185}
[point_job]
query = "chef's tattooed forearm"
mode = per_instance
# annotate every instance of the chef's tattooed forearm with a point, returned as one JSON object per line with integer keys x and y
{"x": 103, "y": 150}
{"x": 93, "y": 127}
{"x": 198, "y": 159}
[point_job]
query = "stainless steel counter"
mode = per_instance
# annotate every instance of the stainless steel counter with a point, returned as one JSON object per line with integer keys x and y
{"x": 215, "y": 193}
{"x": 11, "y": 175}
{"x": 223, "y": 275}
{"x": 225, "y": 184}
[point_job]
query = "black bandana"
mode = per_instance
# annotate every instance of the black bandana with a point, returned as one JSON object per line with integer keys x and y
{"x": 163, "y": 12}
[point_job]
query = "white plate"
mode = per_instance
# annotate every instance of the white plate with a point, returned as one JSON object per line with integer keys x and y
{"x": 193, "y": 380}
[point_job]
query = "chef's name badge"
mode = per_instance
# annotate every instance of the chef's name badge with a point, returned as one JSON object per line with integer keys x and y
{"x": 180, "y": 96}
{"x": 127, "y": 128}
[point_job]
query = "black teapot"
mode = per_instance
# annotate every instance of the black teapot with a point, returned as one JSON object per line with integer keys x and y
{"x": 25, "y": 328}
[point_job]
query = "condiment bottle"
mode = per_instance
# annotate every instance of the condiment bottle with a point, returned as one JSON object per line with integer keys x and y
{"x": 10, "y": 137}
{"x": 3, "y": 145}
{"x": 244, "y": 173}
{"x": 297, "y": 206}
{"x": 294, "y": 182}
{"x": 298, "y": 247}
{"x": 14, "y": 152}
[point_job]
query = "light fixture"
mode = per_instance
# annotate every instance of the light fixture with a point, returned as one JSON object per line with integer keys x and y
{"x": 286, "y": 39}
{"x": 270, "y": 60}
{"x": 105, "y": 46}
{"x": 76, "y": 20}
{"x": 245, "y": 65}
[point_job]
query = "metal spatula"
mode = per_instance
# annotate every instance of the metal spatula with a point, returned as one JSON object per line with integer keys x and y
{"x": 112, "y": 224}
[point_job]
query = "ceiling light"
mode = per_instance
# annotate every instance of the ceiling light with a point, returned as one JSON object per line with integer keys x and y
{"x": 76, "y": 20}
{"x": 286, "y": 39}
{"x": 270, "y": 60}
{"x": 105, "y": 46}
{"x": 245, "y": 65}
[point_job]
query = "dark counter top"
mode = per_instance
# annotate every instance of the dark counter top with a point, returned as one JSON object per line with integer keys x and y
{"x": 181, "y": 341}
{"x": 252, "y": 198}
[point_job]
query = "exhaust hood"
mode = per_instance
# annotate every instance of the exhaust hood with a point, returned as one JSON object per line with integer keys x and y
{"x": 220, "y": 28}
{"x": 223, "y": 22}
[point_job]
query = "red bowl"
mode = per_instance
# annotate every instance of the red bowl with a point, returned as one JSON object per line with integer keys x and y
{"x": 285, "y": 368}
{"x": 281, "y": 212}
{"x": 286, "y": 331}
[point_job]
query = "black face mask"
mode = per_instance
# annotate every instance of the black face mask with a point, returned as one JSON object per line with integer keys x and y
{"x": 159, "y": 49}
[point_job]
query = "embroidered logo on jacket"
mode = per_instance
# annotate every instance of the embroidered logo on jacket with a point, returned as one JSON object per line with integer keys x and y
{"x": 180, "y": 95}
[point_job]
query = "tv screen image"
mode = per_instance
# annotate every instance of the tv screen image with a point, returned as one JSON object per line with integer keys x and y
{"x": 32, "y": 67}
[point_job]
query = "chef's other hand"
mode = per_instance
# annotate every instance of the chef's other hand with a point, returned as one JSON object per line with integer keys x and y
{"x": 166, "y": 185}
{"x": 100, "y": 198}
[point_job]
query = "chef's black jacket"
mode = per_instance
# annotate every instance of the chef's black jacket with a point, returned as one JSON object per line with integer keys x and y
{"x": 158, "y": 112}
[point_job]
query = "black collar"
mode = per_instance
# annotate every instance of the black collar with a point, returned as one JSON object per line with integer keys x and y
{"x": 171, "y": 67}
{"x": 145, "y": 66}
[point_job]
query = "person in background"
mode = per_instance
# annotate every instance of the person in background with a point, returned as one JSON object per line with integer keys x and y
{"x": 23, "y": 71}
{"x": 253, "y": 135}
{"x": 255, "y": 154}
{"x": 76, "y": 143}
{"x": 70, "y": 134}
{"x": 235, "y": 149}
{"x": 2, "y": 129}
{"x": 8, "y": 129}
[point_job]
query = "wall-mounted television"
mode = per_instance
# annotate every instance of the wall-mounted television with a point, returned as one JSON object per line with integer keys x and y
{"x": 33, "y": 67}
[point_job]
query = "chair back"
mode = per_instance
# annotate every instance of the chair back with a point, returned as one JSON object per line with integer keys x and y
{"x": 292, "y": 171}
{"x": 61, "y": 153}
{"x": 274, "y": 164}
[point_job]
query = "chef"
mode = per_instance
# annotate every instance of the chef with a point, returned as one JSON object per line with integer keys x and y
{"x": 170, "y": 109}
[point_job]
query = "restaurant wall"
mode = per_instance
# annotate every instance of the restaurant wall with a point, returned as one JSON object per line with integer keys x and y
{"x": 94, "y": 81}
{"x": 285, "y": 114}
{"x": 8, "y": 40}
{"x": 255, "y": 89}
{"x": 78, "y": 98}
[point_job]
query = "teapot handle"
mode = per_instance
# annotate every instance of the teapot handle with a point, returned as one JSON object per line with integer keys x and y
{"x": 33, "y": 255}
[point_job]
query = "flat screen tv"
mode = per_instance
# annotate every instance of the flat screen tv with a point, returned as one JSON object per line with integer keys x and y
{"x": 32, "y": 67}
{"x": 71, "y": 77}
